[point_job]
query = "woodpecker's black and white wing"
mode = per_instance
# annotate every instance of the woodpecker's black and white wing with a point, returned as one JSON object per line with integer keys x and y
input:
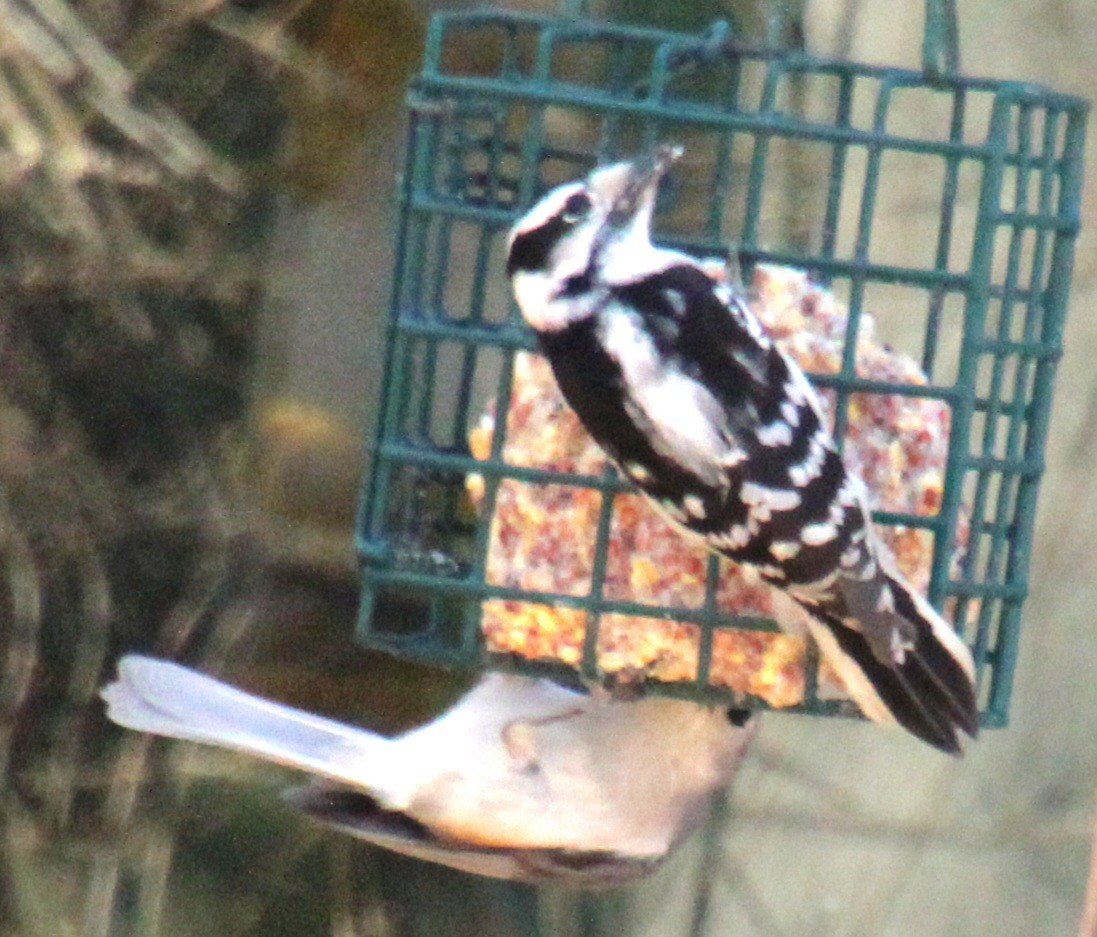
{"x": 675, "y": 379}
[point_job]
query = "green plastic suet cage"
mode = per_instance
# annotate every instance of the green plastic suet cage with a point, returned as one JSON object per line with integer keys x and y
{"x": 791, "y": 159}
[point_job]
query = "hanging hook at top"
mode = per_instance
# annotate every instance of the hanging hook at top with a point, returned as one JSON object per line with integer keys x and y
{"x": 941, "y": 40}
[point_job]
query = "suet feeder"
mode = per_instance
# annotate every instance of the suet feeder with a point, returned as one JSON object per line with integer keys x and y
{"x": 792, "y": 160}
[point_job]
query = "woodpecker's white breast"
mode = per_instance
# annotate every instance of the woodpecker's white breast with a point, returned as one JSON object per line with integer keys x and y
{"x": 682, "y": 416}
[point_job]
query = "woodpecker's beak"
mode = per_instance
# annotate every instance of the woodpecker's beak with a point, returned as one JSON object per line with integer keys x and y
{"x": 627, "y": 190}
{"x": 637, "y": 194}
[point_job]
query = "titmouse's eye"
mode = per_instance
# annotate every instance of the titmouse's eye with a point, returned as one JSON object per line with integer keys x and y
{"x": 577, "y": 207}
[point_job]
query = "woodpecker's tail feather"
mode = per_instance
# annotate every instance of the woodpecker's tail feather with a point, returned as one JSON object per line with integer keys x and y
{"x": 166, "y": 699}
{"x": 926, "y": 687}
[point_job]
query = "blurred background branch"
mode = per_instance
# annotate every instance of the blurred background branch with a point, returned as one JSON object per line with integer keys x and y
{"x": 142, "y": 148}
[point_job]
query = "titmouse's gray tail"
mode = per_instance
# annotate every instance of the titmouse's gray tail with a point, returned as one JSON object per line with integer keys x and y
{"x": 166, "y": 699}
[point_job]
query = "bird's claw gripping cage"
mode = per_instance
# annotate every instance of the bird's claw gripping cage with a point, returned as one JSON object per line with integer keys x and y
{"x": 797, "y": 161}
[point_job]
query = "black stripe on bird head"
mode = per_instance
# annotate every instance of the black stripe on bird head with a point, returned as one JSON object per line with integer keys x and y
{"x": 531, "y": 250}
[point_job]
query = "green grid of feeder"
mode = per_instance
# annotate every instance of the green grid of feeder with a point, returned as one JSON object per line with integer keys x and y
{"x": 567, "y": 94}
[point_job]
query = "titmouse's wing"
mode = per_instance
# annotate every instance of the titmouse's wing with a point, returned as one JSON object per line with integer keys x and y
{"x": 518, "y": 764}
{"x": 359, "y": 815}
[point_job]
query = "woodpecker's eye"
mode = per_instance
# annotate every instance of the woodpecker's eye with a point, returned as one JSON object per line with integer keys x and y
{"x": 577, "y": 207}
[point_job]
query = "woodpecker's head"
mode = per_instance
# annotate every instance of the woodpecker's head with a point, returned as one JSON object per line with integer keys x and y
{"x": 557, "y": 251}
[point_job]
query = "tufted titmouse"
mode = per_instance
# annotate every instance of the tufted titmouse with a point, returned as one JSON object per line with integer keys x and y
{"x": 520, "y": 779}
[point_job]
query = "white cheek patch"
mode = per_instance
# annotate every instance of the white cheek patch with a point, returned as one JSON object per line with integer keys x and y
{"x": 533, "y": 292}
{"x": 536, "y": 294}
{"x": 572, "y": 253}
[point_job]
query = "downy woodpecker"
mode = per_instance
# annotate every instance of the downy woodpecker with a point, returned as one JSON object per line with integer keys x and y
{"x": 674, "y": 377}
